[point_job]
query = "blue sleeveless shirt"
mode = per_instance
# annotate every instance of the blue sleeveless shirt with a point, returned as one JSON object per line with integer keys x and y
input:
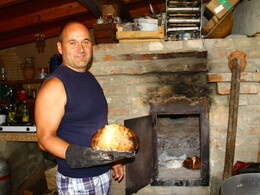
{"x": 85, "y": 113}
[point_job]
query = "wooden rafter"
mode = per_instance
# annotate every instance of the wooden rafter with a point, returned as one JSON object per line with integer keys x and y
{"x": 44, "y": 16}
{"x": 21, "y": 19}
{"x": 6, "y": 3}
{"x": 94, "y": 6}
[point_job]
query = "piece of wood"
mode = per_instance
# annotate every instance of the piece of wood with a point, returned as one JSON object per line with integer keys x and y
{"x": 11, "y": 39}
{"x": 94, "y": 6}
{"x": 15, "y": 136}
{"x": 7, "y": 3}
{"x": 43, "y": 16}
{"x": 140, "y": 40}
{"x": 140, "y": 34}
{"x": 232, "y": 119}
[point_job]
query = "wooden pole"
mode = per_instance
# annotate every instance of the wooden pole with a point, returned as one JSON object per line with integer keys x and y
{"x": 236, "y": 65}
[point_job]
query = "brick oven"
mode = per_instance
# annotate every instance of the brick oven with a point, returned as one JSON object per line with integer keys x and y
{"x": 177, "y": 124}
{"x": 178, "y": 128}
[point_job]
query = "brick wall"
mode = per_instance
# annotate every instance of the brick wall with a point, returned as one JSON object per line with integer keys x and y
{"x": 131, "y": 73}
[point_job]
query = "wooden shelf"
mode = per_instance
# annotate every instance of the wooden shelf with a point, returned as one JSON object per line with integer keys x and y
{"x": 28, "y": 101}
{"x": 15, "y": 136}
{"x": 21, "y": 82}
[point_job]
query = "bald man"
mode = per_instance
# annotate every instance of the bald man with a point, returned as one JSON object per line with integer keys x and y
{"x": 70, "y": 107}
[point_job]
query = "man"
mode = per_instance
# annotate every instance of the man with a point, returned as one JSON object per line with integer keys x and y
{"x": 70, "y": 107}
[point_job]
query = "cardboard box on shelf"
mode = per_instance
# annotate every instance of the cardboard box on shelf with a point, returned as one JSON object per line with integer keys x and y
{"x": 219, "y": 8}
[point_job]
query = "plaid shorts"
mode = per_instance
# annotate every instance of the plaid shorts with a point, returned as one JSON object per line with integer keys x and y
{"x": 99, "y": 185}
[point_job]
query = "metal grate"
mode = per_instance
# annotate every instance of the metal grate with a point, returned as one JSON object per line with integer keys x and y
{"x": 183, "y": 19}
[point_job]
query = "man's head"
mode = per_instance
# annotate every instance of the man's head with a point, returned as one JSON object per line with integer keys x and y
{"x": 75, "y": 45}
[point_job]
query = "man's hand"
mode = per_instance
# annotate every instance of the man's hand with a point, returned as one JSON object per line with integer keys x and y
{"x": 117, "y": 172}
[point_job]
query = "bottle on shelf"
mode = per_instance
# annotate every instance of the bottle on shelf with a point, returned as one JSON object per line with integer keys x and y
{"x": 2, "y": 87}
{"x": 2, "y": 114}
{"x": 12, "y": 114}
{"x": 25, "y": 114}
{"x": 3, "y": 74}
{"x": 2, "y": 68}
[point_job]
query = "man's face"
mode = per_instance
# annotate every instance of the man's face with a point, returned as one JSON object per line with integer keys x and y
{"x": 76, "y": 47}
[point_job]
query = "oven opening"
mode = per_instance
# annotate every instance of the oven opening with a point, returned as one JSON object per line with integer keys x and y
{"x": 174, "y": 133}
{"x": 178, "y": 149}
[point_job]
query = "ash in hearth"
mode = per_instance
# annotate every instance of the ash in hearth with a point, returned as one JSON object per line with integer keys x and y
{"x": 169, "y": 161}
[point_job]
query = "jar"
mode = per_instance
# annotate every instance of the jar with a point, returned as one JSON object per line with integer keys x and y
{"x": 42, "y": 72}
{"x": 28, "y": 68}
{"x": 22, "y": 94}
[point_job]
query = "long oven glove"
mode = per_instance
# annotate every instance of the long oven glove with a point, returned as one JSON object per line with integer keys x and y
{"x": 83, "y": 157}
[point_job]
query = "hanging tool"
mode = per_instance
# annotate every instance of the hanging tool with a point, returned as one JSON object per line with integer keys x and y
{"x": 237, "y": 64}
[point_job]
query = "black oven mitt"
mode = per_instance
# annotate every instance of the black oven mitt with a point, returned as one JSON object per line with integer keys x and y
{"x": 83, "y": 157}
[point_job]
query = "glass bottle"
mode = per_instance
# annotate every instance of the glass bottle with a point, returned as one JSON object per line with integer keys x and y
{"x": 42, "y": 72}
{"x": 25, "y": 114}
{"x": 2, "y": 73}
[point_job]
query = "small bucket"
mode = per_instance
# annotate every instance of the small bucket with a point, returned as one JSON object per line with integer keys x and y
{"x": 147, "y": 24}
{"x": 244, "y": 184}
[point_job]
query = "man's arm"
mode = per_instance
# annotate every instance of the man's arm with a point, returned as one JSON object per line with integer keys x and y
{"x": 49, "y": 110}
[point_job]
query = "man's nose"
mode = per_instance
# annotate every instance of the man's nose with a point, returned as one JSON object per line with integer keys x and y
{"x": 81, "y": 48}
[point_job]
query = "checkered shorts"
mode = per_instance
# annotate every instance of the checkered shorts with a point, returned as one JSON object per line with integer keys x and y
{"x": 99, "y": 185}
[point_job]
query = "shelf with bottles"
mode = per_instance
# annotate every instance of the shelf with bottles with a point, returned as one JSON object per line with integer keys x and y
{"x": 28, "y": 101}
{"x": 21, "y": 82}
{"x": 16, "y": 99}
{"x": 16, "y": 106}
{"x": 19, "y": 85}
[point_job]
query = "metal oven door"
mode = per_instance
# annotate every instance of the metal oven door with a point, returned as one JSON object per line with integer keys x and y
{"x": 141, "y": 169}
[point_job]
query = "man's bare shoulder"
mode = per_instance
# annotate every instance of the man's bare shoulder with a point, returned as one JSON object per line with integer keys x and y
{"x": 51, "y": 88}
{"x": 52, "y": 83}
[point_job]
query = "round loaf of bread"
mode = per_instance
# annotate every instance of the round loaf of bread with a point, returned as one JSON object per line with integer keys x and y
{"x": 115, "y": 137}
{"x": 192, "y": 163}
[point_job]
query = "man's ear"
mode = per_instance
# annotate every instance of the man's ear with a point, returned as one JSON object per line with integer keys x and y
{"x": 59, "y": 47}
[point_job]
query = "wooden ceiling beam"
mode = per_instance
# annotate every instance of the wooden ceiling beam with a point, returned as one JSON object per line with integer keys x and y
{"x": 6, "y": 3}
{"x": 44, "y": 16}
{"x": 125, "y": 12}
{"x": 23, "y": 36}
{"x": 142, "y": 8}
{"x": 94, "y": 6}
{"x": 21, "y": 19}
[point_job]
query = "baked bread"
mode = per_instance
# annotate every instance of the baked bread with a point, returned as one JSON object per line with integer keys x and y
{"x": 115, "y": 137}
{"x": 192, "y": 163}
